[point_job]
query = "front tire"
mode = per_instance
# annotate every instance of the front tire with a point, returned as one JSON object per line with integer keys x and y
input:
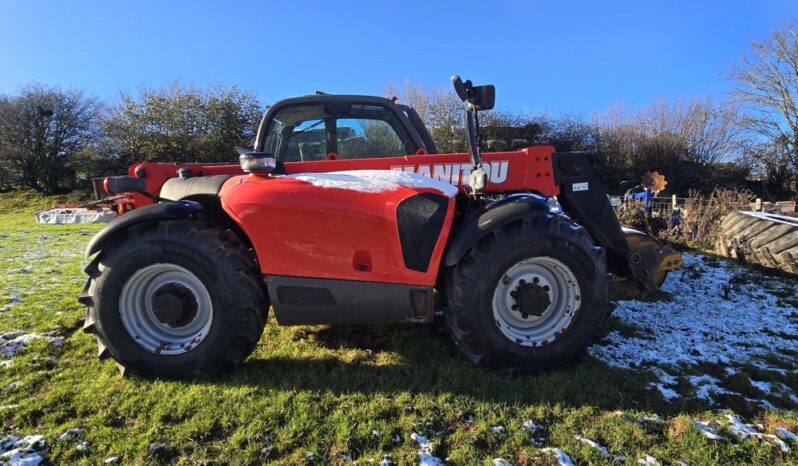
{"x": 175, "y": 299}
{"x": 529, "y": 297}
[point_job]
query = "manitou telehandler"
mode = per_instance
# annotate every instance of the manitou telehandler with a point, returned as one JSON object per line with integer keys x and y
{"x": 344, "y": 213}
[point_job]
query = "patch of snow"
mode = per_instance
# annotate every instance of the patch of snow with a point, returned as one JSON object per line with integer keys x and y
{"x": 764, "y": 386}
{"x": 501, "y": 462}
{"x": 707, "y": 430}
{"x": 697, "y": 325}
{"x": 423, "y": 442}
{"x": 594, "y": 445}
{"x": 111, "y": 460}
{"x": 12, "y": 342}
{"x": 648, "y": 460}
{"x": 385, "y": 461}
{"x": 27, "y": 451}
{"x": 667, "y": 393}
{"x": 745, "y": 431}
{"x": 562, "y": 458}
{"x": 740, "y": 429}
{"x": 426, "y": 459}
{"x": 374, "y": 181}
{"x": 498, "y": 430}
{"x": 14, "y": 385}
{"x": 786, "y": 434}
{"x": 82, "y": 446}
{"x": 71, "y": 433}
{"x": 537, "y": 432}
{"x": 156, "y": 447}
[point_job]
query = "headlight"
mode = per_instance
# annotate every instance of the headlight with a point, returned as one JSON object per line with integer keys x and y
{"x": 258, "y": 162}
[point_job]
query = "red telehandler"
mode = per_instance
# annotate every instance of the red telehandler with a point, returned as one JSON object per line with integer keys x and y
{"x": 344, "y": 213}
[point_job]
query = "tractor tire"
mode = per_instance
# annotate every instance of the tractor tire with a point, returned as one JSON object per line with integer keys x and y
{"x": 759, "y": 238}
{"x": 175, "y": 299}
{"x": 531, "y": 296}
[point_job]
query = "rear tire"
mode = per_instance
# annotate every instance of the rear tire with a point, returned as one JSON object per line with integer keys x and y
{"x": 759, "y": 238}
{"x": 175, "y": 299}
{"x": 529, "y": 297}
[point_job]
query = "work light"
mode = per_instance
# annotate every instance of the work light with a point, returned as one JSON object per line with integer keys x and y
{"x": 257, "y": 162}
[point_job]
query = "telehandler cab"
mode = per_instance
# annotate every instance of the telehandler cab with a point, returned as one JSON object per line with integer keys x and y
{"x": 344, "y": 213}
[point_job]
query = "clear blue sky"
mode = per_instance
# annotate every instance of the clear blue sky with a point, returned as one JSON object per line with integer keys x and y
{"x": 559, "y": 56}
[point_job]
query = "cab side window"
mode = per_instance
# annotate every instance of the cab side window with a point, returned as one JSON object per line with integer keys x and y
{"x": 305, "y": 132}
{"x": 364, "y": 137}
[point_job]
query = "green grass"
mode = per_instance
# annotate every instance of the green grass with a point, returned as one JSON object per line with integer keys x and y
{"x": 317, "y": 389}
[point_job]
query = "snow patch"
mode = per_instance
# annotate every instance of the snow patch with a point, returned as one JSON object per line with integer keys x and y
{"x": 27, "y": 451}
{"x": 374, "y": 181}
{"x": 593, "y": 444}
{"x": 698, "y": 325}
{"x": 707, "y": 430}
{"x": 12, "y": 342}
{"x": 562, "y": 458}
{"x": 786, "y": 434}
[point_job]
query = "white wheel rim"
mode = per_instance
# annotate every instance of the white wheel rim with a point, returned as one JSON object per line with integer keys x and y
{"x": 543, "y": 277}
{"x": 166, "y": 309}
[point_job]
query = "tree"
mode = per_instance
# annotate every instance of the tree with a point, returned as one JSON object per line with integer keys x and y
{"x": 42, "y": 132}
{"x": 182, "y": 124}
{"x": 766, "y": 82}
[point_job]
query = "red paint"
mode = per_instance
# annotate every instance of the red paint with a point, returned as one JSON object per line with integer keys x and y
{"x": 301, "y": 230}
{"x": 528, "y": 169}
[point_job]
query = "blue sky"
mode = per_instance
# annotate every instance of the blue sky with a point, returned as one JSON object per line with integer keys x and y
{"x": 563, "y": 56}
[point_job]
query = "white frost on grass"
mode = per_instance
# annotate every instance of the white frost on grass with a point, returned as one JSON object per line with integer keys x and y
{"x": 698, "y": 325}
{"x": 374, "y": 181}
{"x": 786, "y": 435}
{"x": 744, "y": 431}
{"x": 12, "y": 342}
{"x": 707, "y": 430}
{"x": 426, "y": 459}
{"x": 594, "y": 445}
{"x": 560, "y": 456}
{"x": 26, "y": 451}
{"x": 648, "y": 460}
{"x": 425, "y": 450}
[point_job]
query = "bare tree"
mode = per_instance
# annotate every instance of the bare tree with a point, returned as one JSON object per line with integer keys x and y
{"x": 767, "y": 84}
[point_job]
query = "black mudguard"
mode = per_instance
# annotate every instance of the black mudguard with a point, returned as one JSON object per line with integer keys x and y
{"x": 162, "y": 211}
{"x": 495, "y": 215}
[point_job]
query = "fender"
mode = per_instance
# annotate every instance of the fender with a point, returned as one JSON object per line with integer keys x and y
{"x": 492, "y": 217}
{"x": 163, "y": 211}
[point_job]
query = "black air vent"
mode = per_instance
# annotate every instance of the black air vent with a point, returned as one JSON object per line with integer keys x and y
{"x": 420, "y": 220}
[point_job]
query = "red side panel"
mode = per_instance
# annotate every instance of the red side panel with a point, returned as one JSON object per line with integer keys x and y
{"x": 298, "y": 229}
{"x": 527, "y": 169}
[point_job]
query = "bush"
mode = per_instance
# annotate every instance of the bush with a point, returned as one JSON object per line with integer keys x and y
{"x": 701, "y": 217}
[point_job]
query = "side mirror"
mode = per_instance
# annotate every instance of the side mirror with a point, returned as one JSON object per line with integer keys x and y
{"x": 483, "y": 97}
{"x": 480, "y": 97}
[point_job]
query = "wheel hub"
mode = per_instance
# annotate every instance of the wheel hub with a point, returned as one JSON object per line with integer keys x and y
{"x": 531, "y": 298}
{"x": 535, "y": 301}
{"x": 166, "y": 309}
{"x": 174, "y": 305}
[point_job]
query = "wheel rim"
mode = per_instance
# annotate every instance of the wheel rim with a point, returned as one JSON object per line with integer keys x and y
{"x": 535, "y": 300}
{"x": 166, "y": 309}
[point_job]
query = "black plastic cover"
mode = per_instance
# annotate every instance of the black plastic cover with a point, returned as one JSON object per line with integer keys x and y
{"x": 420, "y": 219}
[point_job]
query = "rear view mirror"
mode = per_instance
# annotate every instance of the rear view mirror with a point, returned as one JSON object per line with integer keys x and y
{"x": 483, "y": 97}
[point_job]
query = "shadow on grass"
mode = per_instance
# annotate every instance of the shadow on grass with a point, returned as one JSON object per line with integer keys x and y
{"x": 429, "y": 363}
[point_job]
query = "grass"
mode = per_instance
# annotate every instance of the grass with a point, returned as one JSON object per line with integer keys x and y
{"x": 330, "y": 391}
